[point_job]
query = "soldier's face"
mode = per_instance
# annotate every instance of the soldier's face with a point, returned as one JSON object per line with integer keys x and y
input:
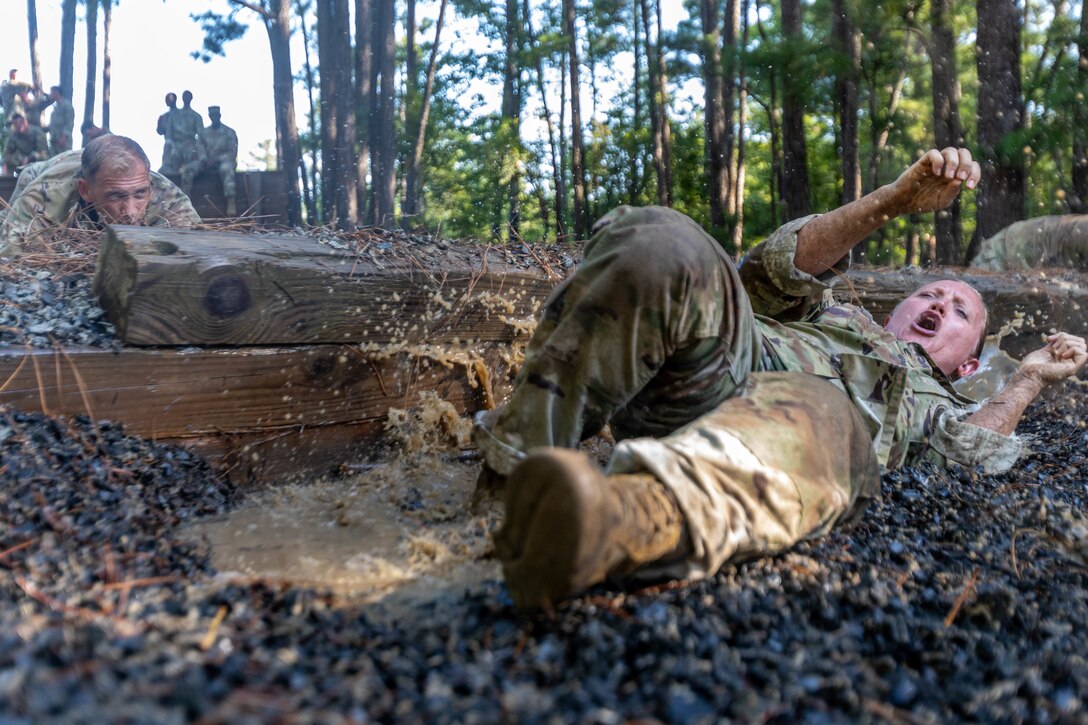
{"x": 945, "y": 318}
{"x": 20, "y": 125}
{"x": 119, "y": 197}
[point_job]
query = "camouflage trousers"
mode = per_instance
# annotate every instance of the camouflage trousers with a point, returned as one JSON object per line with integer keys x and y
{"x": 655, "y": 336}
{"x": 225, "y": 168}
{"x": 188, "y": 160}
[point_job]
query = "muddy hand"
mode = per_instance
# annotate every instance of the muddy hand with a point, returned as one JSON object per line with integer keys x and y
{"x": 932, "y": 182}
{"x": 1063, "y": 356}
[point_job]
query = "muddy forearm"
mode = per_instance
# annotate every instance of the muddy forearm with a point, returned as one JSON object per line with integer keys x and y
{"x": 827, "y": 238}
{"x": 1003, "y": 411}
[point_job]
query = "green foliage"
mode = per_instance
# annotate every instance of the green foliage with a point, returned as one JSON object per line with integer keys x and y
{"x": 472, "y": 154}
{"x": 219, "y": 29}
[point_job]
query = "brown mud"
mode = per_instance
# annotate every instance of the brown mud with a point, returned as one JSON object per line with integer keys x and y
{"x": 396, "y": 534}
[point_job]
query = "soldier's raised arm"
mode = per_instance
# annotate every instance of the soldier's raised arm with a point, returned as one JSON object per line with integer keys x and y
{"x": 929, "y": 184}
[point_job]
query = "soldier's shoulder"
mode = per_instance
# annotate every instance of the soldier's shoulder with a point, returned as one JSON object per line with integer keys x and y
{"x": 63, "y": 166}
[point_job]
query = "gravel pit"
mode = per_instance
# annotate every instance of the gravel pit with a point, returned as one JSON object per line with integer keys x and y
{"x": 958, "y": 597}
{"x": 135, "y": 586}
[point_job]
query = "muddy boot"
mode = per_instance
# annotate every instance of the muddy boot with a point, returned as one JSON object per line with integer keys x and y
{"x": 489, "y": 487}
{"x": 568, "y": 526}
{"x": 232, "y": 206}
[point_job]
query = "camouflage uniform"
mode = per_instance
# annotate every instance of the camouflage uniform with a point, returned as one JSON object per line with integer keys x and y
{"x": 52, "y": 199}
{"x": 169, "y": 162}
{"x": 61, "y": 122}
{"x": 11, "y": 96}
{"x": 183, "y": 135}
{"x": 221, "y": 153}
{"x": 1046, "y": 241}
{"x": 24, "y": 148}
{"x": 659, "y": 335}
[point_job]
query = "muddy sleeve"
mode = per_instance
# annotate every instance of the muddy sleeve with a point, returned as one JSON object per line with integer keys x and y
{"x": 952, "y": 440}
{"x": 774, "y": 284}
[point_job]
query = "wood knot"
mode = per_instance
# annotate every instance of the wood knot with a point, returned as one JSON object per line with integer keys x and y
{"x": 227, "y": 297}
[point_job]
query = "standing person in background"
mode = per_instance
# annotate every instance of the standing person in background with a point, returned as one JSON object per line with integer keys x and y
{"x": 10, "y": 90}
{"x": 169, "y": 164}
{"x": 186, "y": 125}
{"x": 61, "y": 122}
{"x": 221, "y": 153}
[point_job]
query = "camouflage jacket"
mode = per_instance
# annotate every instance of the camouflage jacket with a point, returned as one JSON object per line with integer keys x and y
{"x": 220, "y": 144}
{"x": 184, "y": 127}
{"x": 62, "y": 119}
{"x": 1046, "y": 241}
{"x": 52, "y": 199}
{"x": 911, "y": 408}
{"x": 24, "y": 148}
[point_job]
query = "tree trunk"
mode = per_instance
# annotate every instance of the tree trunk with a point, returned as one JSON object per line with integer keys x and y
{"x": 92, "y": 60}
{"x": 411, "y": 194}
{"x": 309, "y": 191}
{"x": 511, "y": 113}
{"x": 740, "y": 173}
{"x": 409, "y": 110}
{"x": 278, "y": 25}
{"x": 1080, "y": 127}
{"x": 1000, "y": 197}
{"x": 881, "y": 133}
{"x": 848, "y": 44}
{"x": 557, "y": 171}
{"x": 796, "y": 192}
{"x": 714, "y": 117}
{"x": 35, "y": 58}
{"x": 656, "y": 97}
{"x": 663, "y": 109}
{"x": 327, "y": 109}
{"x": 564, "y": 157}
{"x": 581, "y": 217}
{"x": 364, "y": 101}
{"x": 633, "y": 186}
{"x": 383, "y": 138}
{"x": 731, "y": 30}
{"x": 67, "y": 46}
{"x": 107, "y": 64}
{"x": 946, "y": 123}
{"x": 774, "y": 123}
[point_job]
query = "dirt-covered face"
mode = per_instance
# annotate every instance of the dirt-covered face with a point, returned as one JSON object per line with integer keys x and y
{"x": 946, "y": 318}
{"x": 119, "y": 196}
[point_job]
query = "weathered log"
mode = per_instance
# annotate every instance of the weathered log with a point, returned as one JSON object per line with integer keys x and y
{"x": 195, "y": 287}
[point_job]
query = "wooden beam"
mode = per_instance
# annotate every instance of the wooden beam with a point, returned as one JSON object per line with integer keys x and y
{"x": 285, "y": 410}
{"x": 163, "y": 286}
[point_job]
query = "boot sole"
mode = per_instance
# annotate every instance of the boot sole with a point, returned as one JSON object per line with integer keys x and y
{"x": 549, "y": 549}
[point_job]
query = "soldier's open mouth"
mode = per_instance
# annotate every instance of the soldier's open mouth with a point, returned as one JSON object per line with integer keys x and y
{"x": 928, "y": 322}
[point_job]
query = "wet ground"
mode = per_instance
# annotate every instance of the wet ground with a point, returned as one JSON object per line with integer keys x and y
{"x": 396, "y": 534}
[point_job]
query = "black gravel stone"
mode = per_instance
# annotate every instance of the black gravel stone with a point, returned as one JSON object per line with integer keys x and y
{"x": 959, "y": 596}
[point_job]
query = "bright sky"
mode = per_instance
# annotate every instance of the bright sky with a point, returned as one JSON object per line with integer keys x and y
{"x": 150, "y": 46}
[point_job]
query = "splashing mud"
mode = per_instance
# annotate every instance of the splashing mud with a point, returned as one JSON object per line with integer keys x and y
{"x": 399, "y": 530}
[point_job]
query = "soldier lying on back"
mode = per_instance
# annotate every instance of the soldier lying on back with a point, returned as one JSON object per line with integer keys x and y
{"x": 109, "y": 182}
{"x": 752, "y": 409}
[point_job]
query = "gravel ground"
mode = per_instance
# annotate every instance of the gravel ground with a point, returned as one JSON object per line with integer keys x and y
{"x": 958, "y": 597}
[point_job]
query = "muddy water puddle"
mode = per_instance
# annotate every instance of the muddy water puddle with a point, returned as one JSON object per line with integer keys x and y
{"x": 392, "y": 533}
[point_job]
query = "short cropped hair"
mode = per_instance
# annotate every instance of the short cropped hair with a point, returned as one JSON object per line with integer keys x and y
{"x": 985, "y": 326}
{"x": 117, "y": 153}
